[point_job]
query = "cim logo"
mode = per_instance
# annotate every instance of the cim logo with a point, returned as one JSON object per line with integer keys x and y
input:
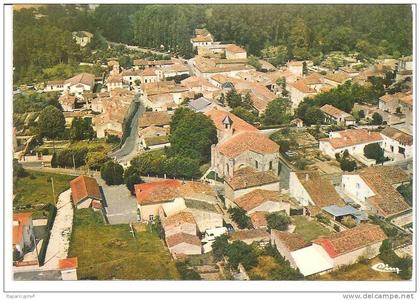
{"x": 381, "y": 267}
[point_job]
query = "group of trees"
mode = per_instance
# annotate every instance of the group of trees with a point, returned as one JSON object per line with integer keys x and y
{"x": 374, "y": 151}
{"x": 346, "y": 163}
{"x": 81, "y": 129}
{"x": 253, "y": 258}
{"x": 277, "y": 32}
{"x": 343, "y": 97}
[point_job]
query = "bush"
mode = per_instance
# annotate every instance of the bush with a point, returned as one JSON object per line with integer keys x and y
{"x": 131, "y": 178}
{"x": 186, "y": 272}
{"x": 348, "y": 221}
{"x": 239, "y": 216}
{"x": 377, "y": 119}
{"x": 374, "y": 151}
{"x": 323, "y": 219}
{"x": 278, "y": 220}
{"x": 219, "y": 247}
{"x": 337, "y": 228}
{"x": 348, "y": 165}
{"x": 240, "y": 253}
{"x": 112, "y": 173}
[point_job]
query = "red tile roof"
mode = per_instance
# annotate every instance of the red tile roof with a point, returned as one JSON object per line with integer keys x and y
{"x": 84, "y": 187}
{"x": 301, "y": 86}
{"x": 248, "y": 141}
{"x": 21, "y": 219}
{"x": 180, "y": 238}
{"x": 257, "y": 197}
{"x": 258, "y": 219}
{"x": 401, "y": 137}
{"x": 321, "y": 191}
{"x": 83, "y": 78}
{"x": 353, "y": 137}
{"x": 292, "y": 241}
{"x": 249, "y": 177}
{"x": 235, "y": 48}
{"x": 68, "y": 263}
{"x": 239, "y": 125}
{"x": 351, "y": 240}
{"x": 177, "y": 220}
{"x": 334, "y": 112}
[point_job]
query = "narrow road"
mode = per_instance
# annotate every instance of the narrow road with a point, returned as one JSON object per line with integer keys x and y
{"x": 129, "y": 148}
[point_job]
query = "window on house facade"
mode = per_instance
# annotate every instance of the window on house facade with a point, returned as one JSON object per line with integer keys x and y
{"x": 270, "y": 166}
{"x": 151, "y": 218}
{"x": 256, "y": 164}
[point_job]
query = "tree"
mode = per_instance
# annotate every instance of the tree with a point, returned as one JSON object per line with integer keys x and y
{"x": 193, "y": 135}
{"x": 51, "y": 122}
{"x": 240, "y": 217}
{"x": 244, "y": 114}
{"x": 304, "y": 68}
{"x": 81, "y": 129}
{"x": 278, "y": 220}
{"x": 186, "y": 272}
{"x": 374, "y": 151}
{"x": 95, "y": 159}
{"x": 278, "y": 112}
{"x": 347, "y": 165}
{"x": 377, "y": 119}
{"x": 219, "y": 247}
{"x": 233, "y": 99}
{"x": 112, "y": 173}
{"x": 131, "y": 178}
{"x": 313, "y": 115}
{"x": 239, "y": 252}
{"x": 406, "y": 190}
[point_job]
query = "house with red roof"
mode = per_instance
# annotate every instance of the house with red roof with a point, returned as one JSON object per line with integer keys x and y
{"x": 85, "y": 192}
{"x": 23, "y": 234}
{"x": 352, "y": 140}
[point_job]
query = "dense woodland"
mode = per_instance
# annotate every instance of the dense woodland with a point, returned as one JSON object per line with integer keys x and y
{"x": 42, "y": 38}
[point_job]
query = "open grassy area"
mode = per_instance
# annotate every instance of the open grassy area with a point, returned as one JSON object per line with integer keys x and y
{"x": 359, "y": 271}
{"x": 110, "y": 252}
{"x": 309, "y": 229}
{"x": 35, "y": 189}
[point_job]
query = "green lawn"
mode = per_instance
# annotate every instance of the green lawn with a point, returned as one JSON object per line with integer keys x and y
{"x": 36, "y": 188}
{"x": 107, "y": 252}
{"x": 310, "y": 230}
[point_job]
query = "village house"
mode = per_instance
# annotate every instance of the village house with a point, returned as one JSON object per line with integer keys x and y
{"x": 397, "y": 144}
{"x": 82, "y": 38}
{"x": 182, "y": 244}
{"x": 206, "y": 67}
{"x": 199, "y": 85}
{"x": 295, "y": 67}
{"x": 202, "y": 38}
{"x": 247, "y": 179}
{"x": 391, "y": 102}
{"x": 374, "y": 189}
{"x": 176, "y": 69}
{"x": 337, "y": 116}
{"x": 233, "y": 51}
{"x": 23, "y": 234}
{"x": 85, "y": 192}
{"x": 172, "y": 196}
{"x": 346, "y": 247}
{"x": 154, "y": 137}
{"x": 407, "y": 108}
{"x": 335, "y": 79}
{"x": 155, "y": 118}
{"x": 352, "y": 140}
{"x": 110, "y": 122}
{"x": 286, "y": 243}
{"x": 260, "y": 200}
{"x": 240, "y": 145}
{"x": 54, "y": 86}
{"x": 182, "y": 221}
{"x": 68, "y": 268}
{"x": 67, "y": 102}
{"x": 203, "y": 104}
{"x": 299, "y": 91}
{"x": 157, "y": 64}
{"x": 314, "y": 81}
{"x": 114, "y": 82}
{"x": 250, "y": 236}
{"x": 162, "y": 96}
{"x": 80, "y": 83}
{"x": 310, "y": 189}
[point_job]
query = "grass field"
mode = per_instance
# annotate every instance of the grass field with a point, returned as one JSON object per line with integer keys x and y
{"x": 109, "y": 251}
{"x": 36, "y": 188}
{"x": 359, "y": 271}
{"x": 310, "y": 230}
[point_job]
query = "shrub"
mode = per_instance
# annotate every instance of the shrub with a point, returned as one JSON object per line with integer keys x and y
{"x": 279, "y": 221}
{"x": 374, "y": 151}
{"x": 349, "y": 222}
{"x": 239, "y": 216}
{"x": 323, "y": 219}
{"x": 112, "y": 173}
{"x": 186, "y": 272}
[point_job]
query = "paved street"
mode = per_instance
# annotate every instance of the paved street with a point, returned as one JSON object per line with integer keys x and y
{"x": 122, "y": 207}
{"x": 129, "y": 148}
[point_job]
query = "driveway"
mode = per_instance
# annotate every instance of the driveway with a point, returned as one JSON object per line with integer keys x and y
{"x": 121, "y": 205}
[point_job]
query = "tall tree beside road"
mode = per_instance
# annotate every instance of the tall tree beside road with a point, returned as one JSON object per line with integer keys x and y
{"x": 51, "y": 122}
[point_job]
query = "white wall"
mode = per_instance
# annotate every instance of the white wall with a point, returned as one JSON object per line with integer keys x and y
{"x": 297, "y": 191}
